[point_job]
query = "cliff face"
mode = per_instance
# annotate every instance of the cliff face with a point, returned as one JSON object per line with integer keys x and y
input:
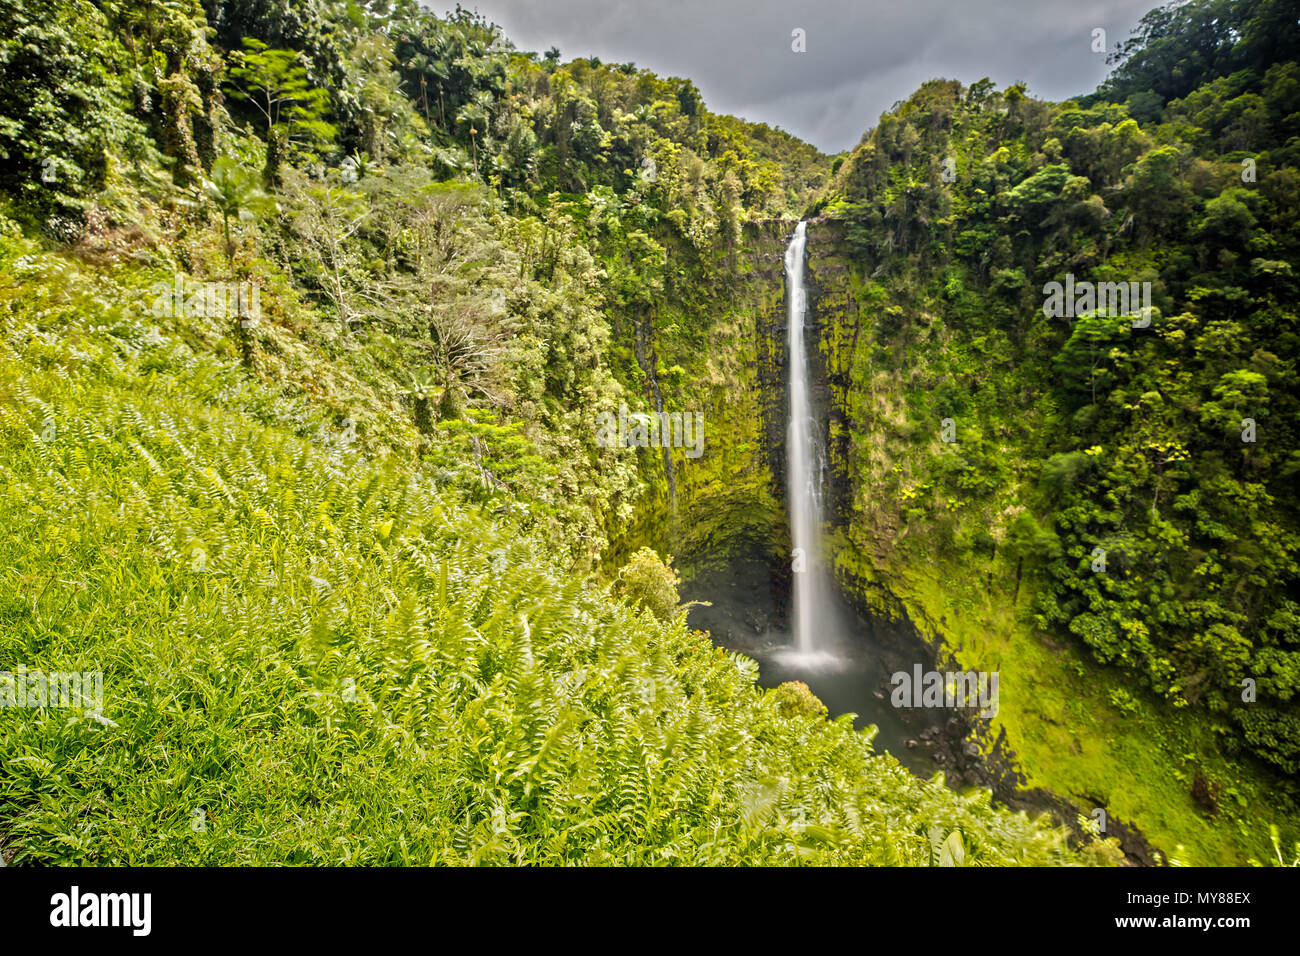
{"x": 731, "y": 499}
{"x": 718, "y": 346}
{"x": 834, "y": 325}
{"x": 730, "y": 367}
{"x": 859, "y": 408}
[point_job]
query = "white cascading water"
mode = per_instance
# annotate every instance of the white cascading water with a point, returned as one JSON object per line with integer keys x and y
{"x": 803, "y": 470}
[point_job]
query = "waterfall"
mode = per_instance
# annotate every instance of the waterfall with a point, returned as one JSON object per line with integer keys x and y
{"x": 803, "y": 467}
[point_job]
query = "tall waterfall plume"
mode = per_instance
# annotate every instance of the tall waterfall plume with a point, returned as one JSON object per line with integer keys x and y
{"x": 804, "y": 466}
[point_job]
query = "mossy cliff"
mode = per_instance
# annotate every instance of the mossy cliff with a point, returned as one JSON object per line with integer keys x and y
{"x": 715, "y": 346}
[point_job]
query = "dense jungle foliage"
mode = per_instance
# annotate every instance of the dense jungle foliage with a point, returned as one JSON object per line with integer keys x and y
{"x": 311, "y": 306}
{"x": 333, "y": 552}
{"x": 1145, "y": 469}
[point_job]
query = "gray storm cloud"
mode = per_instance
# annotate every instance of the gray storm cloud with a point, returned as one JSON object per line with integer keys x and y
{"x": 862, "y": 56}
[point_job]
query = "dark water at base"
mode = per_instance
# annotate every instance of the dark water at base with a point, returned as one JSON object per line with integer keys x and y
{"x": 750, "y": 613}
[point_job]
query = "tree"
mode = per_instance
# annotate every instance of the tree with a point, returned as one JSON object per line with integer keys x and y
{"x": 1093, "y": 353}
{"x": 1228, "y": 222}
{"x": 234, "y": 190}
{"x": 1028, "y": 539}
{"x": 328, "y": 218}
{"x": 467, "y": 347}
{"x": 475, "y": 117}
{"x": 1181, "y": 46}
{"x": 649, "y": 581}
{"x": 61, "y": 107}
{"x": 276, "y": 84}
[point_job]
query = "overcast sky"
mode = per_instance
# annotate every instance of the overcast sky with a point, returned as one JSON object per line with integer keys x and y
{"x": 862, "y": 55}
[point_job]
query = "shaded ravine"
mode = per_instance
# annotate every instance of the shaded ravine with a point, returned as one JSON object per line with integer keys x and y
{"x": 848, "y": 653}
{"x": 749, "y": 611}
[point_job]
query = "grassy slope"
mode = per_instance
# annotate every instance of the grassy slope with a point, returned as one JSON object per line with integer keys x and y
{"x": 321, "y": 657}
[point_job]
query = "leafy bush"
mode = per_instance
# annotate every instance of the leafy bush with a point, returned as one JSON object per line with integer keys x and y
{"x": 649, "y": 580}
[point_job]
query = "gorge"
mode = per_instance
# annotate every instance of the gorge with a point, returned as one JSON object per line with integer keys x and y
{"x": 846, "y": 643}
{"x": 593, "y": 454}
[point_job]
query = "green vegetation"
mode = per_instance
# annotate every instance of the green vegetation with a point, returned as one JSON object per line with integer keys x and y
{"x": 335, "y": 545}
{"x": 1125, "y": 482}
{"x": 314, "y": 655}
{"x": 310, "y": 313}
